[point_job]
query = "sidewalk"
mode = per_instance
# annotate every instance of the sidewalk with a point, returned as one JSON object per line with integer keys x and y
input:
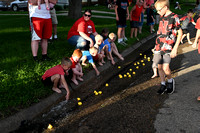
{"x": 180, "y": 113}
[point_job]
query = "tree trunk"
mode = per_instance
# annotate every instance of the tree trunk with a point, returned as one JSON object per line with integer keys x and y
{"x": 75, "y": 7}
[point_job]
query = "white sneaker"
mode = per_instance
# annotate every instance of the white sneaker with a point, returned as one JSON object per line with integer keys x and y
{"x": 125, "y": 39}
{"x": 50, "y": 38}
{"x": 190, "y": 42}
{"x": 153, "y": 30}
{"x": 55, "y": 37}
{"x": 123, "y": 43}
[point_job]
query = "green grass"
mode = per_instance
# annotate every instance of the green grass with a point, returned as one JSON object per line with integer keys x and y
{"x": 20, "y": 76}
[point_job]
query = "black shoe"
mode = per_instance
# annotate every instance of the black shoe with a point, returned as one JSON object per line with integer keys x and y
{"x": 36, "y": 59}
{"x": 45, "y": 58}
{"x": 171, "y": 87}
{"x": 162, "y": 89}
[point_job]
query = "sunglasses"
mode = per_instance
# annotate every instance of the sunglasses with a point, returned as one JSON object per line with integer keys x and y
{"x": 160, "y": 9}
{"x": 87, "y": 15}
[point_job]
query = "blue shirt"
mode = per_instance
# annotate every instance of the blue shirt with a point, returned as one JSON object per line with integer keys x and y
{"x": 106, "y": 42}
{"x": 88, "y": 55}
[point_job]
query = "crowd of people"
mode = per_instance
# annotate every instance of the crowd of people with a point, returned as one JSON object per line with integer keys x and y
{"x": 92, "y": 47}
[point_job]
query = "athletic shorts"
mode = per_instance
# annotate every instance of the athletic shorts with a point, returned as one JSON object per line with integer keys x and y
{"x": 39, "y": 23}
{"x": 185, "y": 31}
{"x": 162, "y": 59}
{"x": 95, "y": 58}
{"x": 47, "y": 82}
{"x": 134, "y": 24}
{"x": 53, "y": 16}
{"x": 121, "y": 23}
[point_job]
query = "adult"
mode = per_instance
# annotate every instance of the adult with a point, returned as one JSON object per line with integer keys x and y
{"x": 82, "y": 32}
{"x": 41, "y": 27}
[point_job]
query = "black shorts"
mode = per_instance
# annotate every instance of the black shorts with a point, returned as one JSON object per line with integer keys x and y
{"x": 121, "y": 23}
{"x": 185, "y": 31}
{"x": 134, "y": 24}
{"x": 47, "y": 82}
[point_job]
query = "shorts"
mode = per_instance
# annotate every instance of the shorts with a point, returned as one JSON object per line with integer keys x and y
{"x": 162, "y": 59}
{"x": 134, "y": 24}
{"x": 47, "y": 82}
{"x": 39, "y": 23}
{"x": 53, "y": 16}
{"x": 121, "y": 23}
{"x": 95, "y": 58}
{"x": 185, "y": 31}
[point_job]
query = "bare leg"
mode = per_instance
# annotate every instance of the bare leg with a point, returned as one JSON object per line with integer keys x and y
{"x": 119, "y": 33}
{"x": 55, "y": 30}
{"x": 74, "y": 79}
{"x": 44, "y": 45}
{"x": 132, "y": 30}
{"x": 34, "y": 47}
{"x": 184, "y": 35}
{"x": 161, "y": 72}
{"x": 83, "y": 61}
{"x": 188, "y": 38}
{"x": 154, "y": 72}
{"x": 196, "y": 39}
{"x": 123, "y": 32}
{"x": 167, "y": 71}
{"x": 55, "y": 79}
{"x": 115, "y": 51}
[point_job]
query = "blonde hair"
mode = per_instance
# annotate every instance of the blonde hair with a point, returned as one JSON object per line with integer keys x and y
{"x": 98, "y": 38}
{"x": 112, "y": 36}
{"x": 162, "y": 2}
{"x": 94, "y": 49}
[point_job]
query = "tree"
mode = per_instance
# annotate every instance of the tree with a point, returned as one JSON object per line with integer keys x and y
{"x": 75, "y": 7}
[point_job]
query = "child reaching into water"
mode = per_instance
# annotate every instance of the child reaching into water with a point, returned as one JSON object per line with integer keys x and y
{"x": 56, "y": 76}
{"x": 87, "y": 55}
{"x": 76, "y": 66}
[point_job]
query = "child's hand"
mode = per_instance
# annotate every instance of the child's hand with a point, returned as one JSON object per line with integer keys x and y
{"x": 67, "y": 96}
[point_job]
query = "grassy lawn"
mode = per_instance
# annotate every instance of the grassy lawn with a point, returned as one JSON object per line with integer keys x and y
{"x": 20, "y": 76}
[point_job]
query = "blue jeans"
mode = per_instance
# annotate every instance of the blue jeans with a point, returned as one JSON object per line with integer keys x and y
{"x": 80, "y": 42}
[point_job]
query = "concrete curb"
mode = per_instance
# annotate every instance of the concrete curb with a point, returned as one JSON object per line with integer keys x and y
{"x": 13, "y": 122}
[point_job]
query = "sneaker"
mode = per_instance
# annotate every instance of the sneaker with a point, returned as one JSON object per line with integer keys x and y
{"x": 123, "y": 43}
{"x": 55, "y": 37}
{"x": 153, "y": 30}
{"x": 45, "y": 58}
{"x": 171, "y": 87}
{"x": 36, "y": 59}
{"x": 125, "y": 39}
{"x": 162, "y": 89}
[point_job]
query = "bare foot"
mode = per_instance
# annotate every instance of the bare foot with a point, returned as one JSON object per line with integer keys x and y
{"x": 154, "y": 76}
{"x": 100, "y": 63}
{"x": 75, "y": 81}
{"x": 79, "y": 78}
{"x": 190, "y": 42}
{"x": 56, "y": 90}
{"x": 103, "y": 61}
{"x": 121, "y": 58}
{"x": 194, "y": 45}
{"x": 84, "y": 64}
{"x": 61, "y": 86}
{"x": 108, "y": 58}
{"x": 113, "y": 62}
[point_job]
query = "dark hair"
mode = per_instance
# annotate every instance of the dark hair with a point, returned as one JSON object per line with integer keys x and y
{"x": 66, "y": 61}
{"x": 88, "y": 10}
{"x": 105, "y": 30}
{"x": 190, "y": 11}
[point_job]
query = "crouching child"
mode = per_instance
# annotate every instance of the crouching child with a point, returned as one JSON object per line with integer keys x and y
{"x": 55, "y": 76}
{"x": 76, "y": 66}
{"x": 87, "y": 55}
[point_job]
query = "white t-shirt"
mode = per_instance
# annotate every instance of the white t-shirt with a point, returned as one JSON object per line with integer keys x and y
{"x": 42, "y": 13}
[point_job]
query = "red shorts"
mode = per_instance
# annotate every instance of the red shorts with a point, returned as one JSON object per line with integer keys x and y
{"x": 42, "y": 27}
{"x": 95, "y": 58}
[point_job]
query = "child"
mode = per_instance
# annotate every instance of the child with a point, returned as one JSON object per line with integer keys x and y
{"x": 169, "y": 26}
{"x": 122, "y": 14}
{"x": 99, "y": 57}
{"x": 142, "y": 16}
{"x": 177, "y": 6}
{"x": 151, "y": 19}
{"x": 76, "y": 67}
{"x": 154, "y": 67}
{"x": 46, "y": 3}
{"x": 87, "y": 55}
{"x": 197, "y": 35}
{"x": 135, "y": 18}
{"x": 55, "y": 76}
{"x": 186, "y": 20}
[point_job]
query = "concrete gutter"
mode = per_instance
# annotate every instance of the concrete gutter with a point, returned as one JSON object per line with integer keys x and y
{"x": 107, "y": 71}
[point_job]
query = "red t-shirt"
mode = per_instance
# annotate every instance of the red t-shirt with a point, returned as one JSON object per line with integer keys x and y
{"x": 73, "y": 63}
{"x": 136, "y": 13}
{"x": 81, "y": 26}
{"x": 198, "y": 24}
{"x": 52, "y": 71}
